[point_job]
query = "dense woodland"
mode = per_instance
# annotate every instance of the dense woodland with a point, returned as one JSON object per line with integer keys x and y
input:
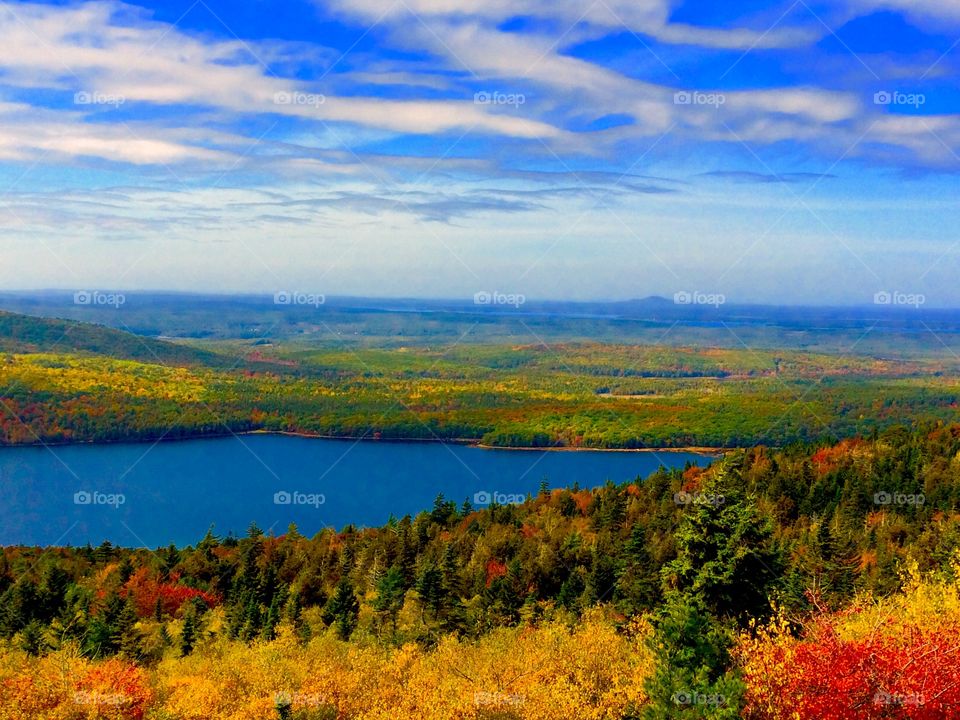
{"x": 708, "y": 584}
{"x": 799, "y": 579}
{"x": 570, "y": 395}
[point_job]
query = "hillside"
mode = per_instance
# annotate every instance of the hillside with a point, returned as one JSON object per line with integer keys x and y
{"x": 28, "y": 334}
{"x": 70, "y": 382}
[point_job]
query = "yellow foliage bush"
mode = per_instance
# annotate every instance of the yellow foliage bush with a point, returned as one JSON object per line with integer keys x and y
{"x": 550, "y": 672}
{"x": 543, "y": 673}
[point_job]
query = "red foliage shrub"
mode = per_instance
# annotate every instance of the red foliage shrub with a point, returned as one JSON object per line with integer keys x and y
{"x": 146, "y": 589}
{"x": 495, "y": 569}
{"x": 914, "y": 674}
{"x": 114, "y": 688}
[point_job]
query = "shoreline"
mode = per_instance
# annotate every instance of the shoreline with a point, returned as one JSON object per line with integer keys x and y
{"x": 467, "y": 442}
{"x": 693, "y": 449}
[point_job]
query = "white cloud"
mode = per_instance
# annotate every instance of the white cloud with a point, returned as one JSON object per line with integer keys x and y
{"x": 924, "y": 11}
{"x": 650, "y": 17}
{"x": 109, "y": 49}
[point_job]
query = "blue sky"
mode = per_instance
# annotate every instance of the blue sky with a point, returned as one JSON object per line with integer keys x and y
{"x": 794, "y": 152}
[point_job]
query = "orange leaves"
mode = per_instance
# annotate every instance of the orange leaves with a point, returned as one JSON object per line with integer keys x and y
{"x": 583, "y": 500}
{"x": 63, "y": 686}
{"x": 147, "y": 590}
{"x": 827, "y": 459}
{"x": 916, "y": 676}
{"x": 113, "y": 689}
{"x": 896, "y": 659}
{"x": 494, "y": 569}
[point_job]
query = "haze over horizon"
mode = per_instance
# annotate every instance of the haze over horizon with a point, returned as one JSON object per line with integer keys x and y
{"x": 797, "y": 153}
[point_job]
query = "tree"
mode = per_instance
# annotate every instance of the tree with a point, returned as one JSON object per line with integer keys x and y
{"x": 188, "y": 635}
{"x": 343, "y": 610}
{"x": 31, "y": 638}
{"x": 269, "y": 631}
{"x": 130, "y": 640}
{"x": 430, "y": 588}
{"x": 725, "y": 552}
{"x": 390, "y": 595}
{"x": 692, "y": 653}
{"x": 638, "y": 581}
{"x": 443, "y": 510}
{"x": 19, "y": 605}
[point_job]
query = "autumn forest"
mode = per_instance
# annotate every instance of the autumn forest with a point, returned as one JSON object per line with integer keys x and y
{"x": 810, "y": 571}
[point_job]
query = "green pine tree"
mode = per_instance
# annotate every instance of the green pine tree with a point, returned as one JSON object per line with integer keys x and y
{"x": 343, "y": 610}
{"x": 390, "y": 595}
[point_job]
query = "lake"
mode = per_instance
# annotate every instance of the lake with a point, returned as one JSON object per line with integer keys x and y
{"x": 138, "y": 494}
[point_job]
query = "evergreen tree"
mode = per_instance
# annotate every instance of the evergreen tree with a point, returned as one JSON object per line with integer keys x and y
{"x": 430, "y": 588}
{"x": 638, "y": 578}
{"x": 343, "y": 610}
{"x": 272, "y": 619}
{"x": 390, "y": 595}
{"x": 188, "y": 635}
{"x": 31, "y": 638}
{"x": 18, "y": 606}
{"x": 725, "y": 552}
{"x": 130, "y": 641}
{"x": 692, "y": 653}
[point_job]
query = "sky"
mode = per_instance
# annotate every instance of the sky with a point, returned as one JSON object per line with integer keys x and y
{"x": 763, "y": 152}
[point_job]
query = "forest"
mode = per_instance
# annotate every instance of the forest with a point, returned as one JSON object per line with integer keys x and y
{"x": 63, "y": 382}
{"x": 811, "y": 581}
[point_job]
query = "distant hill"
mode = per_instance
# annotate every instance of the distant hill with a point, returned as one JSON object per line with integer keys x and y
{"x": 25, "y": 333}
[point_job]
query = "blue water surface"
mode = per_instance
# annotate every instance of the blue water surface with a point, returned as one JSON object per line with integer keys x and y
{"x": 141, "y": 494}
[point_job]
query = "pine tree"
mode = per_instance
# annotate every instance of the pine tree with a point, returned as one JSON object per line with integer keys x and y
{"x": 19, "y": 605}
{"x": 130, "y": 641}
{"x": 638, "y": 581}
{"x": 602, "y": 572}
{"x": 725, "y": 552}
{"x": 343, "y": 610}
{"x": 269, "y": 631}
{"x": 692, "y": 652}
{"x": 54, "y": 582}
{"x": 252, "y": 620}
{"x": 430, "y": 588}
{"x": 188, "y": 635}
{"x": 31, "y": 638}
{"x": 390, "y": 595}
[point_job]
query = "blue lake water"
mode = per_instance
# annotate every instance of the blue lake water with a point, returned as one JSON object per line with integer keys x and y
{"x": 140, "y": 494}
